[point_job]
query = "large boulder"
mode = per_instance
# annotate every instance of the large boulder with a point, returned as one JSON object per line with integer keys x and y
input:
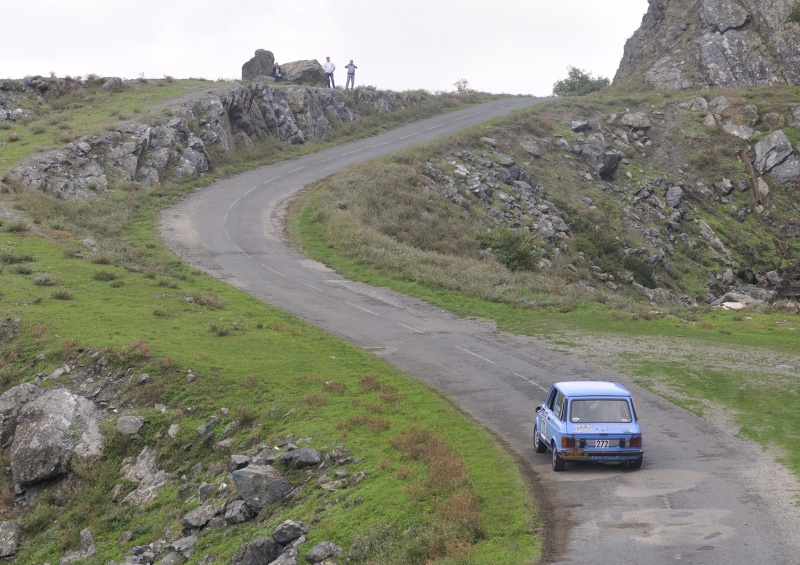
{"x": 305, "y": 72}
{"x": 260, "y": 485}
{"x": 604, "y": 159}
{"x": 289, "y": 531}
{"x": 260, "y": 65}
{"x": 775, "y": 157}
{"x": 55, "y": 432}
{"x": 262, "y": 550}
{"x": 299, "y": 458}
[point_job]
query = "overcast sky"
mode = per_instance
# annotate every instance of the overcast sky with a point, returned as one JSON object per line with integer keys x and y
{"x": 499, "y": 46}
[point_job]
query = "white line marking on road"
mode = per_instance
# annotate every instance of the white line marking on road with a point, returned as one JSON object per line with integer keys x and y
{"x": 476, "y": 355}
{"x": 379, "y": 144}
{"x": 265, "y": 183}
{"x": 351, "y": 152}
{"x": 410, "y": 135}
{"x": 312, "y": 286}
{"x": 318, "y": 162}
{"x": 301, "y": 168}
{"x": 360, "y": 308}
{"x": 434, "y": 127}
{"x": 410, "y": 328}
{"x": 530, "y": 381}
{"x": 461, "y": 118}
{"x": 273, "y": 270}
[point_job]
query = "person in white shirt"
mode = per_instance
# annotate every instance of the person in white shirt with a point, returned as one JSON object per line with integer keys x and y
{"x": 329, "y": 68}
{"x": 351, "y": 75}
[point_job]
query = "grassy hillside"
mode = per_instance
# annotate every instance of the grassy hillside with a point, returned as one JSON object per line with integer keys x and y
{"x": 365, "y": 223}
{"x": 89, "y": 285}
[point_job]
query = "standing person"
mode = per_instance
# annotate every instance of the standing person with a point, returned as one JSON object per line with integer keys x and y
{"x": 329, "y": 68}
{"x": 351, "y": 75}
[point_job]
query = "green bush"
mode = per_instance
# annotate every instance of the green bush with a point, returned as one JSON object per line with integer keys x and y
{"x": 515, "y": 250}
{"x": 579, "y": 83}
{"x": 642, "y": 271}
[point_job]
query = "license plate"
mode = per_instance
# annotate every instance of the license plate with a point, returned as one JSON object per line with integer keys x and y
{"x": 602, "y": 443}
{"x": 574, "y": 454}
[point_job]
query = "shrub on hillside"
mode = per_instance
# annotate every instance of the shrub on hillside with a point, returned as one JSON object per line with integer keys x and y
{"x": 515, "y": 250}
{"x": 579, "y": 83}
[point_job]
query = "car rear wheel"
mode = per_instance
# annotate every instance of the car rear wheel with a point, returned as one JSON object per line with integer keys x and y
{"x": 538, "y": 444}
{"x": 635, "y": 464}
{"x": 558, "y": 463}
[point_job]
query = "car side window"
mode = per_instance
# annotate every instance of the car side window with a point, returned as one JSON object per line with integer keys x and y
{"x": 560, "y": 406}
{"x": 551, "y": 400}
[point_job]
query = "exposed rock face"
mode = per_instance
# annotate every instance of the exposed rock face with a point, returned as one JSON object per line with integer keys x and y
{"x": 685, "y": 44}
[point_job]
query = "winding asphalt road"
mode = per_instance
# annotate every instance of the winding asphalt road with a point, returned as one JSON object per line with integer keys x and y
{"x": 699, "y": 497}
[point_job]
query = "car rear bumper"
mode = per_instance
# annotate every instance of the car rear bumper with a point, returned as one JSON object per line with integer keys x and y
{"x": 601, "y": 456}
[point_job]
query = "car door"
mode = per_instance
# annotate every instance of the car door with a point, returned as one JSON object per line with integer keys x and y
{"x": 543, "y": 414}
{"x": 555, "y": 412}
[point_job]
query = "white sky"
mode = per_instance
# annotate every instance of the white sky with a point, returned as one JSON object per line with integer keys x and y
{"x": 500, "y": 46}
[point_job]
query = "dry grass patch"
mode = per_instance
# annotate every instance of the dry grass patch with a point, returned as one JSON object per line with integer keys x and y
{"x": 374, "y": 423}
{"x": 457, "y": 522}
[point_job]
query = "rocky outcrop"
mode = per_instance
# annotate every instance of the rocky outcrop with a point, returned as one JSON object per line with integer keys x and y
{"x": 684, "y": 44}
{"x": 308, "y": 73}
{"x": 774, "y": 156}
{"x": 182, "y": 147}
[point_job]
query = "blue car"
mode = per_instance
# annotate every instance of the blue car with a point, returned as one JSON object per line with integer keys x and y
{"x": 589, "y": 421}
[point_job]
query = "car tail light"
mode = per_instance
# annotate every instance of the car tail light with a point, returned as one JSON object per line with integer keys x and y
{"x": 567, "y": 441}
{"x": 636, "y": 441}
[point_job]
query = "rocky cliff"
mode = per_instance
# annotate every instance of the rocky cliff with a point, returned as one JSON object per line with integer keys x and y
{"x": 695, "y": 44}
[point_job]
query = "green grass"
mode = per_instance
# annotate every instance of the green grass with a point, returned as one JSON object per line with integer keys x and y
{"x": 282, "y": 376}
{"x": 763, "y": 405}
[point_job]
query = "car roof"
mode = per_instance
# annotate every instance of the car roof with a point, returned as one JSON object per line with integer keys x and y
{"x": 592, "y": 388}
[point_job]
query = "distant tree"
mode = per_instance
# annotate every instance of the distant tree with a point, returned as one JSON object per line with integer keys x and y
{"x": 462, "y": 85}
{"x": 579, "y": 83}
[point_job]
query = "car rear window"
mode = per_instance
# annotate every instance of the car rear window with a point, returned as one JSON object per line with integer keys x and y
{"x": 600, "y": 410}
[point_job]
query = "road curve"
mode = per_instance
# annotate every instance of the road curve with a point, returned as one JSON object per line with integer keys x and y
{"x": 700, "y": 497}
